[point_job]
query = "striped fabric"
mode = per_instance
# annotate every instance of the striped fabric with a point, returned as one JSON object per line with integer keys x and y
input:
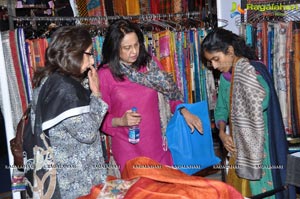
{"x": 82, "y": 8}
{"x": 18, "y": 70}
{"x": 15, "y": 101}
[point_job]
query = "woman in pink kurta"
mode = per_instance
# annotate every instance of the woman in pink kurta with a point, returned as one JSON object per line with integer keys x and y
{"x": 130, "y": 77}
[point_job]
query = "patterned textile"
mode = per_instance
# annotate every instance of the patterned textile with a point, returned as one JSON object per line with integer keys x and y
{"x": 154, "y": 78}
{"x": 259, "y": 45}
{"x": 82, "y": 8}
{"x": 166, "y": 51}
{"x": 161, "y": 82}
{"x": 145, "y": 6}
{"x": 96, "y": 8}
{"x": 15, "y": 101}
{"x": 247, "y": 120}
{"x": 189, "y": 61}
{"x": 61, "y": 125}
{"x": 116, "y": 188}
{"x": 177, "y": 6}
{"x": 18, "y": 70}
{"x": 279, "y": 68}
{"x": 288, "y": 46}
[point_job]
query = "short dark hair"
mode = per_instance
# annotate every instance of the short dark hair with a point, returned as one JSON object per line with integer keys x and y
{"x": 219, "y": 39}
{"x": 112, "y": 42}
{"x": 64, "y": 53}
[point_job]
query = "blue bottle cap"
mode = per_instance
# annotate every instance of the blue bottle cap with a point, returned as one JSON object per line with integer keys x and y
{"x": 134, "y": 109}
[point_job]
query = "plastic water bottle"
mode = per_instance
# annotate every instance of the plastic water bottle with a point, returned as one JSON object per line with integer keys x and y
{"x": 134, "y": 131}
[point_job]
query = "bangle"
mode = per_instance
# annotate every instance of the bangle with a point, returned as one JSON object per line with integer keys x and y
{"x": 97, "y": 94}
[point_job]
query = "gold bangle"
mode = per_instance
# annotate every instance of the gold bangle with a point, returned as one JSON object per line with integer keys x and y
{"x": 97, "y": 94}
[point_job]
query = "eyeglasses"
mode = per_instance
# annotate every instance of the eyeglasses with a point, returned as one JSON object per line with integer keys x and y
{"x": 89, "y": 53}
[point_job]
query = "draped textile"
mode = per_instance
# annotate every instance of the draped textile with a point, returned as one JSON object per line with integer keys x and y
{"x": 296, "y": 78}
{"x": 279, "y": 68}
{"x": 133, "y": 7}
{"x": 27, "y": 72}
{"x": 247, "y": 120}
{"x": 18, "y": 70}
{"x": 177, "y": 6}
{"x": 165, "y": 51}
{"x": 96, "y": 8}
{"x": 164, "y": 182}
{"x": 288, "y": 62}
{"x": 277, "y": 137}
{"x": 259, "y": 45}
{"x": 82, "y": 8}
{"x": 120, "y": 7}
{"x": 146, "y": 178}
{"x": 145, "y": 6}
{"x": 109, "y": 7}
{"x": 265, "y": 42}
{"x": 154, "y": 6}
{"x": 16, "y": 104}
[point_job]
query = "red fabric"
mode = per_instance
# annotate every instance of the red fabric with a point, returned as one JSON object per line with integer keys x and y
{"x": 18, "y": 70}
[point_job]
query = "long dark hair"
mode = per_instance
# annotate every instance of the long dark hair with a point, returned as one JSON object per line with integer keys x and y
{"x": 112, "y": 42}
{"x": 65, "y": 53}
{"x": 220, "y": 39}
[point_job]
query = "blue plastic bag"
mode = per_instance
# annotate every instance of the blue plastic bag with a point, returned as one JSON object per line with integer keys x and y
{"x": 191, "y": 152}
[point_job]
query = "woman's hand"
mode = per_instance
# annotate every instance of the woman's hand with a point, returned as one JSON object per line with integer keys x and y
{"x": 129, "y": 118}
{"x": 94, "y": 81}
{"x": 192, "y": 120}
{"x": 227, "y": 142}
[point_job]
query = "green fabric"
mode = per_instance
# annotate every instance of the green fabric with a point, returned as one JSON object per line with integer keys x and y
{"x": 265, "y": 183}
{"x": 222, "y": 113}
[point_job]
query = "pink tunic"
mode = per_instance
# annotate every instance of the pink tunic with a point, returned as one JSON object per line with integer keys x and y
{"x": 122, "y": 96}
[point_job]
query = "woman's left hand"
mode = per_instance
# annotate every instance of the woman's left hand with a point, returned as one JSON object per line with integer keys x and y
{"x": 93, "y": 80}
{"x": 192, "y": 120}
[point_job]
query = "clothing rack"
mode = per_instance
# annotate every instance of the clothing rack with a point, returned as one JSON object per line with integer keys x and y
{"x": 104, "y": 19}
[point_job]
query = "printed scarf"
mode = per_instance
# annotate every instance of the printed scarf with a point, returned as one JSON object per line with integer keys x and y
{"x": 163, "y": 83}
{"x": 247, "y": 120}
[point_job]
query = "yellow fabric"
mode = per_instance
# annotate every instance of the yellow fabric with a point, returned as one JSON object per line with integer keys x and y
{"x": 240, "y": 184}
{"x": 133, "y": 7}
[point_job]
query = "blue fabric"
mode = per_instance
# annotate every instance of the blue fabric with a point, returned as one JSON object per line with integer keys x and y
{"x": 191, "y": 152}
{"x": 278, "y": 143}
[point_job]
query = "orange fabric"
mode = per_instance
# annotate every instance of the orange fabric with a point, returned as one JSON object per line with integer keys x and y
{"x": 296, "y": 76}
{"x": 159, "y": 181}
{"x": 95, "y": 191}
{"x": 133, "y": 7}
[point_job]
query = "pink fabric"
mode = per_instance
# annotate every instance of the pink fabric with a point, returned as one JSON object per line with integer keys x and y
{"x": 122, "y": 96}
